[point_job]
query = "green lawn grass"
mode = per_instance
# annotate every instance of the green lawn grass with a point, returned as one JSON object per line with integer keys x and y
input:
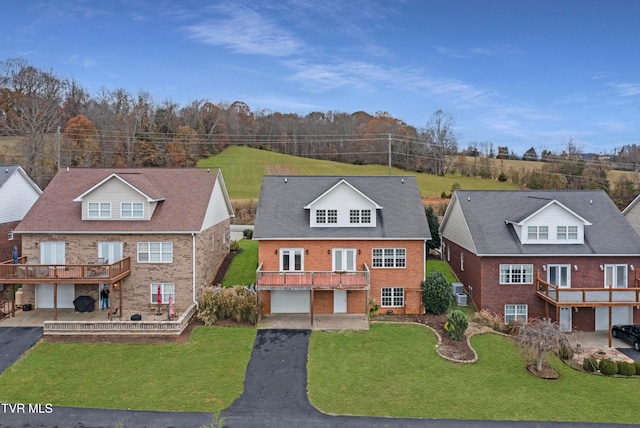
{"x": 204, "y": 374}
{"x": 243, "y": 267}
{"x": 404, "y": 377}
{"x": 243, "y": 168}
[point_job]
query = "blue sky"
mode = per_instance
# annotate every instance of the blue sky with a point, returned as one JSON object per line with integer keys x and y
{"x": 523, "y": 74}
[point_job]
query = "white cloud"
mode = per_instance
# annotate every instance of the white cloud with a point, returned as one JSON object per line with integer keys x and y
{"x": 626, "y": 89}
{"x": 245, "y": 31}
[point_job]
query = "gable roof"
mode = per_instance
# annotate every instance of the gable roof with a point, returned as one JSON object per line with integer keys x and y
{"x": 7, "y": 171}
{"x": 186, "y": 193}
{"x": 486, "y": 214}
{"x": 137, "y": 181}
{"x": 282, "y": 214}
{"x": 553, "y": 202}
{"x": 345, "y": 183}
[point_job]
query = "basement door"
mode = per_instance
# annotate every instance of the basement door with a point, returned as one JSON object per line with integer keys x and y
{"x": 565, "y": 318}
{"x": 339, "y": 301}
{"x": 290, "y": 302}
{"x": 53, "y": 253}
{"x": 619, "y": 315}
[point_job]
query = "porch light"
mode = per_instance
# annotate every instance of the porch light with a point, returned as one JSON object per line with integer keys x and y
{"x": 306, "y": 251}
{"x": 544, "y": 268}
{"x": 632, "y": 267}
{"x": 601, "y": 267}
{"x": 276, "y": 251}
{"x": 575, "y": 267}
{"x": 328, "y": 251}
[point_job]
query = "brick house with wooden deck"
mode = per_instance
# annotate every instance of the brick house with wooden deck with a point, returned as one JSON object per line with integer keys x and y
{"x": 570, "y": 256}
{"x": 327, "y": 245}
{"x": 133, "y": 231}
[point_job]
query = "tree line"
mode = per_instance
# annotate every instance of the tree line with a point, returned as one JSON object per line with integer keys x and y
{"x": 57, "y": 122}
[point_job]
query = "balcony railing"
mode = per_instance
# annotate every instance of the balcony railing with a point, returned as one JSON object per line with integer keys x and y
{"x": 301, "y": 280}
{"x": 25, "y": 272}
{"x": 588, "y": 296}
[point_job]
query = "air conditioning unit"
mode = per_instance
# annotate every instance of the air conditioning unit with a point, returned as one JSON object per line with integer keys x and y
{"x": 456, "y": 288}
{"x": 461, "y": 299}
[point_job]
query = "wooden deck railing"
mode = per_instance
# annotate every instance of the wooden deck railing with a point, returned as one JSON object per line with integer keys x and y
{"x": 587, "y": 296}
{"x": 119, "y": 327}
{"x": 311, "y": 279}
{"x": 62, "y": 273}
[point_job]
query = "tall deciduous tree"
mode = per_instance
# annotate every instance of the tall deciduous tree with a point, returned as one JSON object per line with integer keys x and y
{"x": 442, "y": 140}
{"x": 80, "y": 141}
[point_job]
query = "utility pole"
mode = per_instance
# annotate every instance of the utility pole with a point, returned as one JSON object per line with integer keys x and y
{"x": 389, "y": 141}
{"x": 58, "y": 138}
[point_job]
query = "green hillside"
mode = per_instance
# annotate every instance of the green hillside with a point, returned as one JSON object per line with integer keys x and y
{"x": 243, "y": 168}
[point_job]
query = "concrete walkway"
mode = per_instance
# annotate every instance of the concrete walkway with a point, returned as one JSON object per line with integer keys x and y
{"x": 320, "y": 322}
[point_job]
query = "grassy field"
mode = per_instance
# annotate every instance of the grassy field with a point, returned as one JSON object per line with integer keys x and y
{"x": 204, "y": 374}
{"x": 243, "y": 168}
{"x": 243, "y": 267}
{"x": 416, "y": 382}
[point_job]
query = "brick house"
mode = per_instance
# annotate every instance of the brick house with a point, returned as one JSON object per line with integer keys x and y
{"x": 565, "y": 255}
{"x": 18, "y": 193}
{"x": 328, "y": 245}
{"x": 131, "y": 230}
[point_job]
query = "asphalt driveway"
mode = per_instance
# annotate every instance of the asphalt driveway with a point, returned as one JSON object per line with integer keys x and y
{"x": 14, "y": 342}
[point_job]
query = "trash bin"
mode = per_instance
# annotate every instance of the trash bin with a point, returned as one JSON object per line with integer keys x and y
{"x": 26, "y": 307}
{"x": 136, "y": 317}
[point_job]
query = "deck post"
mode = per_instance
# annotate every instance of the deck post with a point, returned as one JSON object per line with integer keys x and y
{"x": 311, "y": 306}
{"x": 13, "y": 301}
{"x": 55, "y": 301}
{"x": 110, "y": 300}
{"x": 610, "y": 313}
{"x": 120, "y": 299}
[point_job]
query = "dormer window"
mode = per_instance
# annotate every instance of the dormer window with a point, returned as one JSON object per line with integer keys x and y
{"x": 567, "y": 233}
{"x": 321, "y": 216}
{"x": 132, "y": 210}
{"x": 535, "y": 233}
{"x": 332, "y": 216}
{"x": 99, "y": 210}
{"x": 359, "y": 216}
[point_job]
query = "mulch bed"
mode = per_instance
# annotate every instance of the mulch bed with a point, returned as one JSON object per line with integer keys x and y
{"x": 453, "y": 349}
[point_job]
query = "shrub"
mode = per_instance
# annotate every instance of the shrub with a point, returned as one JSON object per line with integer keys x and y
{"x": 608, "y": 367}
{"x": 234, "y": 303}
{"x": 637, "y": 364}
{"x": 489, "y": 319}
{"x": 565, "y": 352}
{"x": 456, "y": 324}
{"x": 502, "y": 177}
{"x": 248, "y": 233}
{"x": 436, "y": 293}
{"x": 234, "y": 246}
{"x": 590, "y": 364}
{"x": 626, "y": 369}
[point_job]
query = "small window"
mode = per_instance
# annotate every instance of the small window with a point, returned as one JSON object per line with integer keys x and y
{"x": 461, "y": 261}
{"x": 132, "y": 210}
{"x": 167, "y": 289}
{"x": 321, "y": 216}
{"x": 389, "y": 257}
{"x": 365, "y": 216}
{"x": 515, "y": 313}
{"x": 332, "y": 216}
{"x": 535, "y": 233}
{"x": 10, "y": 235}
{"x": 572, "y": 232}
{"x": 149, "y": 252}
{"x": 392, "y": 296}
{"x": 516, "y": 274}
{"x": 99, "y": 210}
{"x": 354, "y": 216}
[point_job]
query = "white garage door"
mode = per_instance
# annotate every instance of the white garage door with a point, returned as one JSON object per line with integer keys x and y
{"x": 290, "y": 302}
{"x": 44, "y": 296}
{"x": 619, "y": 315}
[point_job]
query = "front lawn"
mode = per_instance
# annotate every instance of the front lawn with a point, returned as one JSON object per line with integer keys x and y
{"x": 404, "y": 377}
{"x": 243, "y": 266}
{"x": 204, "y": 374}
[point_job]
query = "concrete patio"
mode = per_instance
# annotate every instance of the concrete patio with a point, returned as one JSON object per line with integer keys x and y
{"x": 37, "y": 317}
{"x": 320, "y": 322}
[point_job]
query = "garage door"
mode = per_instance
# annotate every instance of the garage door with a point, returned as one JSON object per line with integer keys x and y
{"x": 290, "y": 302}
{"x": 44, "y": 296}
{"x": 620, "y": 315}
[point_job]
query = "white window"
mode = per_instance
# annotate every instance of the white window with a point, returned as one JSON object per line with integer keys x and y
{"x": 132, "y": 210}
{"x": 99, "y": 210}
{"x": 354, "y": 216}
{"x": 538, "y": 233}
{"x": 559, "y": 275}
{"x": 514, "y": 313}
{"x": 392, "y": 296}
{"x": 516, "y": 274}
{"x": 365, "y": 216}
{"x": 321, "y": 216}
{"x": 615, "y": 276}
{"x": 389, "y": 257}
{"x": 291, "y": 259}
{"x": 10, "y": 235}
{"x": 461, "y": 261}
{"x": 161, "y": 252}
{"x": 344, "y": 260}
{"x": 332, "y": 216}
{"x": 359, "y": 216}
{"x": 567, "y": 233}
{"x": 448, "y": 254}
{"x": 166, "y": 289}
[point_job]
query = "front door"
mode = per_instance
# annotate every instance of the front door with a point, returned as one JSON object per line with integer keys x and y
{"x": 339, "y": 301}
{"x": 565, "y": 318}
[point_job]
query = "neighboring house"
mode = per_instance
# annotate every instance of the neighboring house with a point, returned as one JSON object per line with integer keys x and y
{"x": 17, "y": 194}
{"x": 132, "y": 230}
{"x": 570, "y": 256}
{"x": 330, "y": 244}
{"x": 632, "y": 214}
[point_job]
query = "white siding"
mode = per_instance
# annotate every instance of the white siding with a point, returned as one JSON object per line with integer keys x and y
{"x": 343, "y": 198}
{"x": 115, "y": 191}
{"x": 17, "y": 196}
{"x": 456, "y": 229}
{"x": 633, "y": 217}
{"x": 553, "y": 216}
{"x": 217, "y": 210}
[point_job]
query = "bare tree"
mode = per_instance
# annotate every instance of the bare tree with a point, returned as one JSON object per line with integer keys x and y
{"x": 442, "y": 140}
{"x": 543, "y": 336}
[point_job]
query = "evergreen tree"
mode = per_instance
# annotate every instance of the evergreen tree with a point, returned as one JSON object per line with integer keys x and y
{"x": 434, "y": 225}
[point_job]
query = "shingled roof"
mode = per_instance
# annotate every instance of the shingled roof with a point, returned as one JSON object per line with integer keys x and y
{"x": 487, "y": 213}
{"x": 186, "y": 193}
{"x": 281, "y": 213}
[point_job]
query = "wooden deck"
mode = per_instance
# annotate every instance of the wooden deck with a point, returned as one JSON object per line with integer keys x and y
{"x": 587, "y": 297}
{"x": 88, "y": 273}
{"x": 308, "y": 280}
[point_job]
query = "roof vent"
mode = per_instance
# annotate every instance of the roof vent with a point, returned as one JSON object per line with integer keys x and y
{"x": 67, "y": 169}
{"x": 6, "y": 171}
{"x": 208, "y": 170}
{"x": 403, "y": 181}
{"x": 285, "y": 179}
{"x": 591, "y": 201}
{"x": 468, "y": 198}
